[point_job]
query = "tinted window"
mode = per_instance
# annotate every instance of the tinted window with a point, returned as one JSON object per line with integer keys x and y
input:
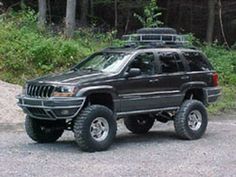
{"x": 171, "y": 63}
{"x": 145, "y": 62}
{"x": 197, "y": 62}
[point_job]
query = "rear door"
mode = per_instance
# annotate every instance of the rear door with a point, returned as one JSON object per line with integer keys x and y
{"x": 172, "y": 78}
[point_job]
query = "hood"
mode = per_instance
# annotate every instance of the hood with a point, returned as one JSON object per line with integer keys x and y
{"x": 72, "y": 77}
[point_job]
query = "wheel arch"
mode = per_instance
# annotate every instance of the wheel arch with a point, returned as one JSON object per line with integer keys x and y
{"x": 196, "y": 93}
{"x": 196, "y": 89}
{"x": 103, "y": 95}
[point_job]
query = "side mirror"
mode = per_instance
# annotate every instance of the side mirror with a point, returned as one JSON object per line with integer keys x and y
{"x": 133, "y": 72}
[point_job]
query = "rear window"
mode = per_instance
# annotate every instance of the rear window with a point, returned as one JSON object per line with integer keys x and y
{"x": 197, "y": 61}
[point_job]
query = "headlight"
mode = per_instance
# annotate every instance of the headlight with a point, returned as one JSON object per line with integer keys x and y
{"x": 65, "y": 91}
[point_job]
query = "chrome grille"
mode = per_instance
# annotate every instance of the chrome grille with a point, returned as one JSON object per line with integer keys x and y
{"x": 40, "y": 91}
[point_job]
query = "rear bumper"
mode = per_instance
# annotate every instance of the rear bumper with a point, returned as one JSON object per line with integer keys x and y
{"x": 51, "y": 108}
{"x": 212, "y": 94}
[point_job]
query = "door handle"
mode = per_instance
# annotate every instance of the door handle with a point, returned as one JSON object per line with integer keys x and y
{"x": 185, "y": 77}
{"x": 153, "y": 80}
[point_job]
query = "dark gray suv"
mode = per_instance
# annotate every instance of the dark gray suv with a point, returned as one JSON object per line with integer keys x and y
{"x": 153, "y": 77}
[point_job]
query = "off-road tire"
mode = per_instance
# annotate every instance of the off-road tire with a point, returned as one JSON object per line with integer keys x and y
{"x": 139, "y": 124}
{"x": 156, "y": 31}
{"x": 181, "y": 119}
{"x": 43, "y": 131}
{"x": 82, "y": 128}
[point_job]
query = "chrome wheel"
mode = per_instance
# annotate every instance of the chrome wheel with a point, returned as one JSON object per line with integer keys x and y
{"x": 195, "y": 120}
{"x": 99, "y": 129}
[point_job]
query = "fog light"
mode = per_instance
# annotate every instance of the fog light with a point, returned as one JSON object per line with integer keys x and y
{"x": 65, "y": 112}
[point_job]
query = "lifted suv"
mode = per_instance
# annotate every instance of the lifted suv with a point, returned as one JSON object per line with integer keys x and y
{"x": 153, "y": 77}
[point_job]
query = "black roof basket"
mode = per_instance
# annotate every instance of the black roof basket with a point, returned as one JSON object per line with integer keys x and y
{"x": 146, "y": 38}
{"x": 164, "y": 39}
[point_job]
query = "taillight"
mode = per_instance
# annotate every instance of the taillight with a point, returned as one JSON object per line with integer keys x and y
{"x": 215, "y": 79}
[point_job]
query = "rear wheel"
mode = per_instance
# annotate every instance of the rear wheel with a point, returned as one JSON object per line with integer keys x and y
{"x": 191, "y": 120}
{"x": 44, "y": 131}
{"x": 139, "y": 124}
{"x": 95, "y": 128}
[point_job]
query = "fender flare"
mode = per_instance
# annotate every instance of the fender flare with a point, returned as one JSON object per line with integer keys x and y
{"x": 192, "y": 85}
{"x": 86, "y": 91}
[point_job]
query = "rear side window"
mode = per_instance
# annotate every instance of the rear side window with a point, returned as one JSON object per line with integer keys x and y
{"x": 197, "y": 62}
{"x": 171, "y": 63}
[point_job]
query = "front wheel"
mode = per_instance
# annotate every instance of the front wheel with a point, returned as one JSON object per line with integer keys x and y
{"x": 95, "y": 128}
{"x": 44, "y": 131}
{"x": 191, "y": 120}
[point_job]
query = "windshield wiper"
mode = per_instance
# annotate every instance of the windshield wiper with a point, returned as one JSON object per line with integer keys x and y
{"x": 90, "y": 69}
{"x": 74, "y": 69}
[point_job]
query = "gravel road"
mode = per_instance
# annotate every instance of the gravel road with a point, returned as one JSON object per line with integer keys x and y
{"x": 159, "y": 153}
{"x": 10, "y": 113}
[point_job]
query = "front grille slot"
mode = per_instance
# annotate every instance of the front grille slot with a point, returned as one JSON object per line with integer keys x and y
{"x": 40, "y": 91}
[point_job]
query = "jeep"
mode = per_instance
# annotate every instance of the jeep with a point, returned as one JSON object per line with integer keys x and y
{"x": 154, "y": 76}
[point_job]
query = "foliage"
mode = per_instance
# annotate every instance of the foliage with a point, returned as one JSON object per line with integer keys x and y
{"x": 26, "y": 53}
{"x": 224, "y": 63}
{"x": 226, "y": 102}
{"x": 150, "y": 15}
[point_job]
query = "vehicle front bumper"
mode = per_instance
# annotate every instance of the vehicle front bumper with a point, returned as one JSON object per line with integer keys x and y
{"x": 51, "y": 108}
{"x": 212, "y": 94}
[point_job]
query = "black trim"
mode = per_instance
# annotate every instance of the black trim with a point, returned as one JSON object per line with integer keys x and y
{"x": 212, "y": 94}
{"x": 51, "y": 108}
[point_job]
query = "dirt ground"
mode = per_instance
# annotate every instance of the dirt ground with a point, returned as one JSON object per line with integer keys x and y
{"x": 10, "y": 113}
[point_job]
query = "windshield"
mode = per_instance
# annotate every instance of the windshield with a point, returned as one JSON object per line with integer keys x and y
{"x": 104, "y": 62}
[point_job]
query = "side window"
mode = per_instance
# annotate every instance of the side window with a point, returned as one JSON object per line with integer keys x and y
{"x": 197, "y": 62}
{"x": 145, "y": 62}
{"x": 171, "y": 63}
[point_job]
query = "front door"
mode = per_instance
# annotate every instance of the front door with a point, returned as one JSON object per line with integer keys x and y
{"x": 136, "y": 92}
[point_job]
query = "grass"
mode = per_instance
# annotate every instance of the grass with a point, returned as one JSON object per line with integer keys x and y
{"x": 226, "y": 102}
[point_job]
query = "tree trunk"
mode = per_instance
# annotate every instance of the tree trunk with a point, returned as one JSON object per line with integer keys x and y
{"x": 116, "y": 13}
{"x": 221, "y": 24}
{"x": 211, "y": 20}
{"x": 42, "y": 14}
{"x": 84, "y": 12}
{"x": 70, "y": 18}
{"x": 167, "y": 12}
{"x": 22, "y": 4}
{"x": 91, "y": 8}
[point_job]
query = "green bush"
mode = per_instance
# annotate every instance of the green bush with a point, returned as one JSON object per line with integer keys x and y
{"x": 224, "y": 63}
{"x": 27, "y": 53}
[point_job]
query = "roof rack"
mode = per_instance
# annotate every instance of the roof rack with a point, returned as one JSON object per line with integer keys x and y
{"x": 151, "y": 41}
{"x": 155, "y": 38}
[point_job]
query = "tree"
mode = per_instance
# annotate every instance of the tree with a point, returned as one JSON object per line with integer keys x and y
{"x": 84, "y": 12}
{"x": 70, "y": 18}
{"x": 150, "y": 16}
{"x": 116, "y": 13}
{"x": 211, "y": 20}
{"x": 42, "y": 14}
{"x": 22, "y": 4}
